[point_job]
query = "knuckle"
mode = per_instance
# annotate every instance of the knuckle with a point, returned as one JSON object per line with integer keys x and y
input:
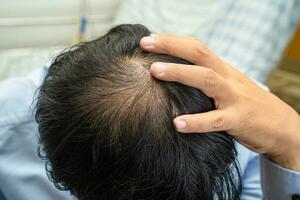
{"x": 201, "y": 50}
{"x": 170, "y": 73}
{"x": 177, "y": 74}
{"x": 199, "y": 127}
{"x": 218, "y": 122}
{"x": 248, "y": 120}
{"x": 167, "y": 45}
{"x": 210, "y": 79}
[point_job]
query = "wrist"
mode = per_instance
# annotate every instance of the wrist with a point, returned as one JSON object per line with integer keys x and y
{"x": 289, "y": 157}
{"x": 291, "y": 162}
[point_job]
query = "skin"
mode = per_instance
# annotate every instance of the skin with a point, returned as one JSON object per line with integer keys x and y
{"x": 256, "y": 118}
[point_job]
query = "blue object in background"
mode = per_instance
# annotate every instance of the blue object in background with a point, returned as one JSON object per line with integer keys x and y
{"x": 83, "y": 25}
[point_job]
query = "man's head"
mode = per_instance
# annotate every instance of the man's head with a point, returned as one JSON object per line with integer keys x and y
{"x": 106, "y": 127}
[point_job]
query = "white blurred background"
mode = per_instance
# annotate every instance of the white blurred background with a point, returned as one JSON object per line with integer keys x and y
{"x": 33, "y": 31}
{"x": 40, "y": 23}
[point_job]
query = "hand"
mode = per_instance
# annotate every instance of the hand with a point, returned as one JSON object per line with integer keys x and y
{"x": 256, "y": 118}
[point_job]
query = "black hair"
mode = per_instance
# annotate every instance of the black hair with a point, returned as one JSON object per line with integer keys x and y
{"x": 106, "y": 127}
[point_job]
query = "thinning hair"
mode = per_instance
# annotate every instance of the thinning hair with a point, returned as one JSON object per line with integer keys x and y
{"x": 106, "y": 127}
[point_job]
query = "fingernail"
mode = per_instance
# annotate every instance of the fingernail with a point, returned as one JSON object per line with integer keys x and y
{"x": 160, "y": 68}
{"x": 180, "y": 123}
{"x": 149, "y": 40}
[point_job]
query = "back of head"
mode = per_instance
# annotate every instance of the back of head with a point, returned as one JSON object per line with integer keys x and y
{"x": 107, "y": 133}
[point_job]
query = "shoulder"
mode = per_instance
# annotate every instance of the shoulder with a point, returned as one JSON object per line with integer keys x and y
{"x": 17, "y": 98}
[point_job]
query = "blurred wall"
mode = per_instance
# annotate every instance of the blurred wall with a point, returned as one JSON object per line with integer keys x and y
{"x": 293, "y": 50}
{"x": 285, "y": 80}
{"x": 40, "y": 23}
{"x": 291, "y": 58}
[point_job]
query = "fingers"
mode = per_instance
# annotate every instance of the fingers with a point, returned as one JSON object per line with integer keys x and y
{"x": 204, "y": 79}
{"x": 183, "y": 47}
{"x": 203, "y": 122}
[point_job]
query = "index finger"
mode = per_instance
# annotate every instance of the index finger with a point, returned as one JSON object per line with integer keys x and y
{"x": 204, "y": 79}
{"x": 184, "y": 47}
